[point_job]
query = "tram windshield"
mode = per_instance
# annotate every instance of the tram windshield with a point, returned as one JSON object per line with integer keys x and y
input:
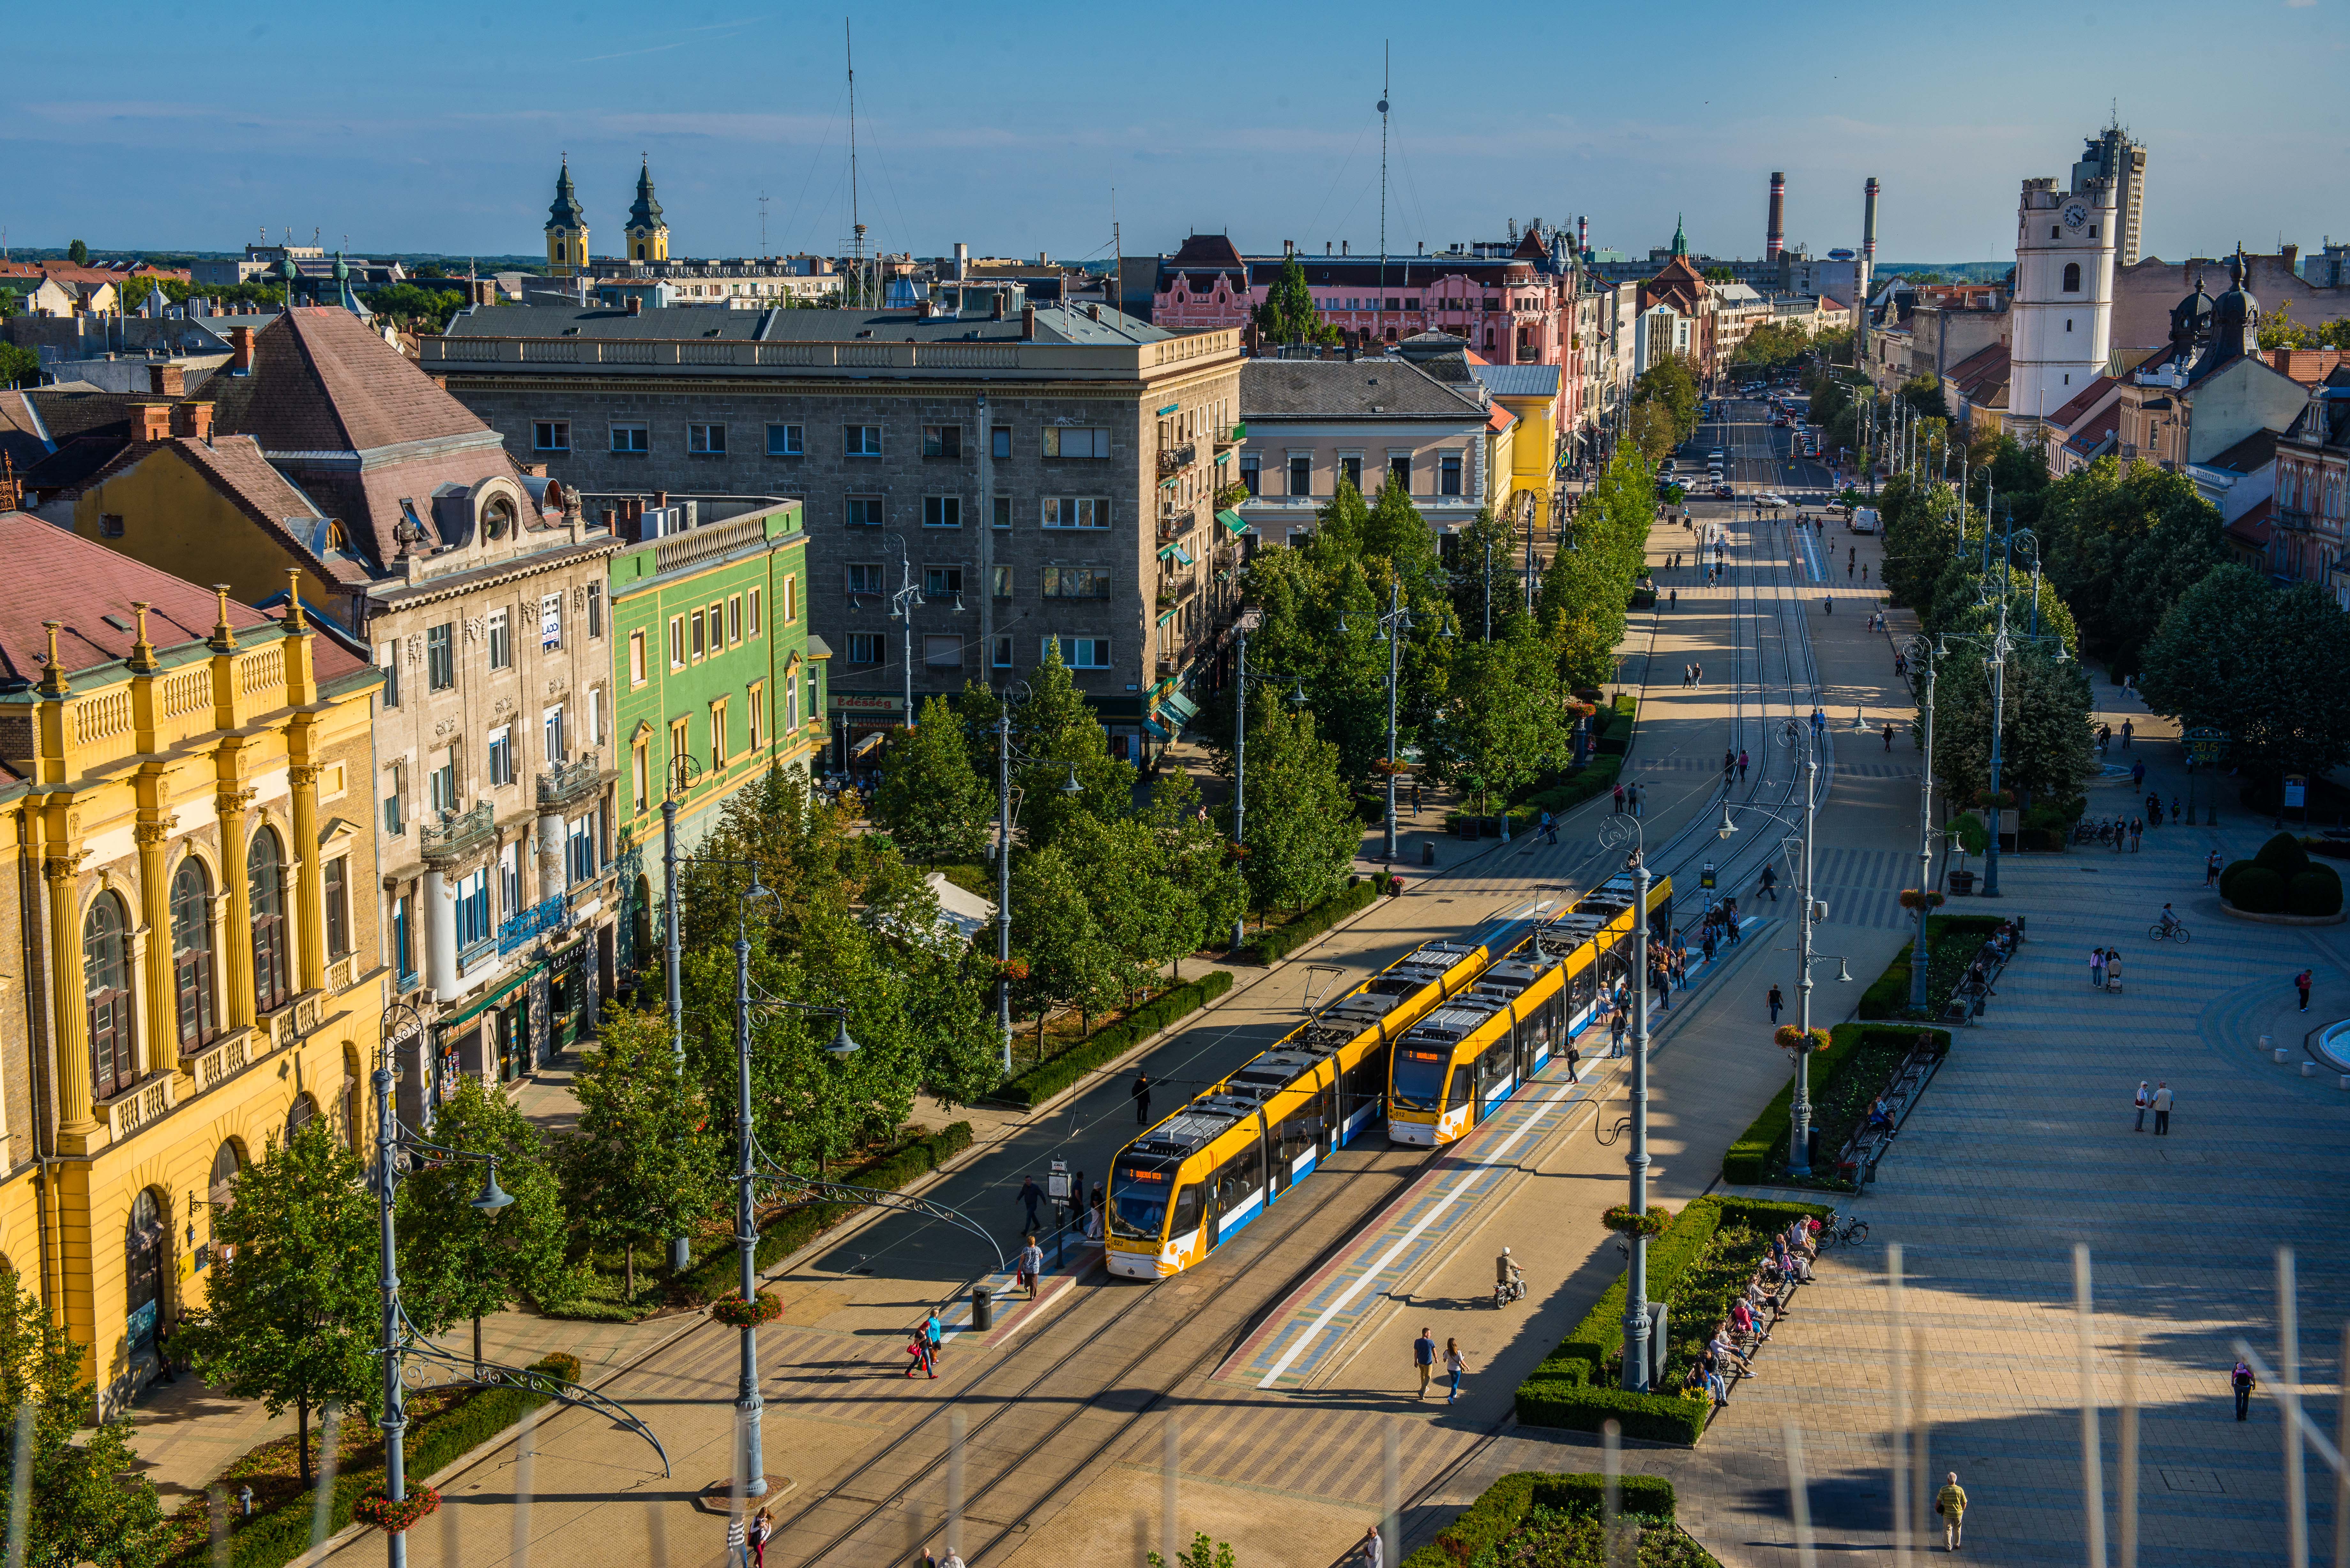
{"x": 1138, "y": 1196}
{"x": 1419, "y": 1077}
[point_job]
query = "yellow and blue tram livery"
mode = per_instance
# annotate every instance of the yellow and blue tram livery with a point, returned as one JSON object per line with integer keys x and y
{"x": 1476, "y": 1049}
{"x": 1193, "y": 1180}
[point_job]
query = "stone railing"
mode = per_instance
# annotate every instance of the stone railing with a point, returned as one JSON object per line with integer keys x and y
{"x": 225, "y": 1058}
{"x": 458, "y": 835}
{"x": 568, "y": 784}
{"x": 145, "y": 1103}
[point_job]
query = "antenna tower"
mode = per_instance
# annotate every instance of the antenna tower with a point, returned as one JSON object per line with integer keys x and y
{"x": 1385, "y": 75}
{"x": 855, "y": 224}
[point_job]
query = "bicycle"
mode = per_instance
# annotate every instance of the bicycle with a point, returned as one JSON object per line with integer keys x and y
{"x": 2175, "y": 931}
{"x": 1839, "y": 1231}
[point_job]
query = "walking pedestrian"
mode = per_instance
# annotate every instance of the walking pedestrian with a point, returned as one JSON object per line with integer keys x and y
{"x": 1847, "y": 570}
{"x": 2161, "y": 1104}
{"x": 2175, "y": 814}
{"x": 1742, "y": 764}
{"x": 1673, "y": 600}
{"x": 1951, "y": 1502}
{"x": 1864, "y": 577}
{"x": 1373, "y": 1551}
{"x": 1888, "y": 735}
{"x": 1549, "y": 827}
{"x": 1414, "y": 797}
{"x": 2153, "y": 809}
{"x": 2241, "y": 1381}
{"x": 2301, "y": 983}
{"x": 1771, "y": 883}
{"x": 2141, "y": 1100}
{"x": 1456, "y": 1363}
{"x": 934, "y": 1338}
{"x": 163, "y": 1351}
{"x": 1030, "y": 1195}
{"x": 1701, "y": 673}
{"x": 1423, "y": 1355}
{"x": 1574, "y": 1063}
{"x": 1030, "y": 1265}
{"x": 2097, "y": 968}
{"x": 1618, "y": 795}
{"x": 2136, "y": 829}
{"x": 738, "y": 1543}
{"x": 2138, "y": 772}
{"x": 2212, "y": 869}
{"x": 1729, "y": 764}
{"x": 2129, "y": 729}
{"x": 1142, "y": 1092}
{"x": 1777, "y": 1002}
{"x": 763, "y": 1526}
{"x": 1616, "y": 1026}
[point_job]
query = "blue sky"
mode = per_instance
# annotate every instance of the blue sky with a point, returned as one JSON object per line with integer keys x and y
{"x": 194, "y": 127}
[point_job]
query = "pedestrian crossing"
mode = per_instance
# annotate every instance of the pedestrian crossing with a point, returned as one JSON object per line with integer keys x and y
{"x": 1863, "y": 887}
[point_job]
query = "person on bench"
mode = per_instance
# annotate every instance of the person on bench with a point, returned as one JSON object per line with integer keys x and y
{"x": 1880, "y": 1119}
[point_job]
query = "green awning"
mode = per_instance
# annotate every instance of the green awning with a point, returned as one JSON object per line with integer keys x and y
{"x": 1233, "y": 521}
{"x": 1225, "y": 455}
{"x": 1181, "y": 707}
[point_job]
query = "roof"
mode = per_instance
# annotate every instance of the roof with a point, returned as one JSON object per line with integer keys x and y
{"x": 1054, "y": 324}
{"x": 2255, "y": 452}
{"x": 2252, "y": 527}
{"x": 1379, "y": 386}
{"x": 82, "y": 582}
{"x": 24, "y": 440}
{"x": 1982, "y": 376}
{"x": 1209, "y": 252}
{"x": 321, "y": 381}
{"x": 1518, "y": 380}
{"x": 2084, "y": 401}
{"x": 235, "y": 468}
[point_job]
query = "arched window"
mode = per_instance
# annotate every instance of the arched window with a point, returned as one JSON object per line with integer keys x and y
{"x": 220, "y": 1190}
{"x": 2072, "y": 278}
{"x": 142, "y": 1250}
{"x": 305, "y": 1112}
{"x": 265, "y": 882}
{"x": 192, "y": 952}
{"x": 106, "y": 992}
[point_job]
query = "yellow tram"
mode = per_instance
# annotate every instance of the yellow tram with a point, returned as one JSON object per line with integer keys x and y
{"x": 1452, "y": 1069}
{"x": 1195, "y": 1179}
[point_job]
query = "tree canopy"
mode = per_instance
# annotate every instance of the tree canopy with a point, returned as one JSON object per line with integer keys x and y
{"x": 931, "y": 799}
{"x": 2264, "y": 664}
{"x": 87, "y": 1504}
{"x": 1301, "y": 831}
{"x": 1287, "y": 315}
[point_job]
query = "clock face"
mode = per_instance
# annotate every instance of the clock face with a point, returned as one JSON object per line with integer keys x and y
{"x": 2075, "y": 215}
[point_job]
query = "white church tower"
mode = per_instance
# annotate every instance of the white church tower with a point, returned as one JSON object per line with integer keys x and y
{"x": 2063, "y": 306}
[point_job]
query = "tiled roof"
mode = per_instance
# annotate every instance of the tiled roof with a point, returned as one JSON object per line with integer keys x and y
{"x": 2252, "y": 527}
{"x": 681, "y": 322}
{"x": 1982, "y": 376}
{"x": 71, "y": 412}
{"x": 73, "y": 462}
{"x": 1208, "y": 252}
{"x": 80, "y": 582}
{"x": 322, "y": 382}
{"x": 2086, "y": 400}
{"x": 22, "y": 437}
{"x": 232, "y": 465}
{"x": 1379, "y": 387}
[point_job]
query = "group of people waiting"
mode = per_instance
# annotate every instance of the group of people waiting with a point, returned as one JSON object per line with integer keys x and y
{"x": 1755, "y": 1313}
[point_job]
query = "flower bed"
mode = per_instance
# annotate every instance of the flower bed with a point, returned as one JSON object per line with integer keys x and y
{"x": 1503, "y": 1508}
{"x": 1842, "y": 1087}
{"x": 1951, "y": 941}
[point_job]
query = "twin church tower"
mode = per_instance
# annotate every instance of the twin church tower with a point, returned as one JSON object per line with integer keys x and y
{"x": 566, "y": 226}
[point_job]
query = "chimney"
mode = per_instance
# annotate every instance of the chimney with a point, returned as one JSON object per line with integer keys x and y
{"x": 1583, "y": 234}
{"x": 1288, "y": 248}
{"x": 1043, "y": 260}
{"x": 168, "y": 380}
{"x": 2291, "y": 257}
{"x": 961, "y": 261}
{"x": 1423, "y": 247}
{"x": 1027, "y": 323}
{"x": 995, "y": 306}
{"x": 1325, "y": 247}
{"x": 1342, "y": 247}
{"x": 923, "y": 309}
{"x": 1868, "y": 228}
{"x": 193, "y": 420}
{"x": 240, "y": 361}
{"x": 154, "y": 423}
{"x": 1095, "y": 311}
{"x": 636, "y": 305}
{"x": 660, "y": 498}
{"x": 1775, "y": 238}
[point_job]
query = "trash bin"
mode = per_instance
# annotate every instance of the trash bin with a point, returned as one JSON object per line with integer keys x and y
{"x": 1428, "y": 853}
{"x": 983, "y": 1309}
{"x": 1962, "y": 884}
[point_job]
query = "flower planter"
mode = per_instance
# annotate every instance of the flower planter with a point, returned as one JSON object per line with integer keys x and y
{"x": 735, "y": 1312}
{"x": 392, "y": 1518}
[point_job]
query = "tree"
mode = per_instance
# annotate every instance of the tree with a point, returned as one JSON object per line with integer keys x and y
{"x": 424, "y": 309}
{"x": 1773, "y": 344}
{"x": 78, "y": 253}
{"x": 1505, "y": 724}
{"x": 457, "y": 1262}
{"x": 1485, "y": 564}
{"x": 1719, "y": 275}
{"x": 1070, "y": 963}
{"x": 2122, "y": 544}
{"x": 2045, "y": 747}
{"x": 294, "y": 1316}
{"x": 1580, "y": 607}
{"x": 19, "y": 366}
{"x": 1924, "y": 394}
{"x": 644, "y": 1163}
{"x": 1054, "y": 725}
{"x": 1653, "y": 434}
{"x": 1302, "y": 831}
{"x": 1287, "y": 315}
{"x": 1669, "y": 384}
{"x": 86, "y": 1503}
{"x": 2263, "y": 664}
{"x": 931, "y": 800}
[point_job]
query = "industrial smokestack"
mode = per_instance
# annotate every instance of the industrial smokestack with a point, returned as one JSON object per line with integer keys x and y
{"x": 1582, "y": 234}
{"x": 1863, "y": 275}
{"x": 1774, "y": 239}
{"x": 1868, "y": 225}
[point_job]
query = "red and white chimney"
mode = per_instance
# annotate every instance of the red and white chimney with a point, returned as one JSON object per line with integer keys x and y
{"x": 1774, "y": 239}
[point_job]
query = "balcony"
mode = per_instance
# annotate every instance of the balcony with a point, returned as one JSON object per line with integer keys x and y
{"x": 2294, "y": 519}
{"x": 1232, "y": 435}
{"x": 458, "y": 835}
{"x": 1175, "y": 459}
{"x": 570, "y": 783}
{"x": 520, "y": 930}
{"x": 1173, "y": 591}
{"x": 1174, "y": 522}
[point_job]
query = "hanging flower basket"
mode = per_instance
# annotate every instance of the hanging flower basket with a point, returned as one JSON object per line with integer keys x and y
{"x": 1624, "y": 1222}
{"x": 392, "y": 1518}
{"x": 735, "y": 1312}
{"x": 1911, "y": 899}
{"x": 1787, "y": 1037}
{"x": 1014, "y": 970}
{"x": 2004, "y": 800}
{"x": 1381, "y": 765}
{"x": 1581, "y": 710}
{"x": 1237, "y": 850}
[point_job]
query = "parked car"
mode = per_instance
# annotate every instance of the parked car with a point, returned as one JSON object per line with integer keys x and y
{"x": 1724, "y": 492}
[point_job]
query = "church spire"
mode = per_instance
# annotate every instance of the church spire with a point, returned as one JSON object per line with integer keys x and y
{"x": 566, "y": 212}
{"x": 648, "y": 235}
{"x": 1681, "y": 236}
{"x": 567, "y": 228}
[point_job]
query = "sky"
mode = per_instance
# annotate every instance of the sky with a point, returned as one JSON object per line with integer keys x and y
{"x": 198, "y": 129}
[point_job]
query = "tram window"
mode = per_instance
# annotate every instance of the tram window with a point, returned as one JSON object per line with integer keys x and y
{"x": 1460, "y": 1091}
{"x": 1187, "y": 1213}
{"x": 1239, "y": 1176}
{"x": 1297, "y": 1135}
{"x": 1420, "y": 1075}
{"x": 1586, "y": 985}
{"x": 1137, "y": 1201}
{"x": 1497, "y": 1061}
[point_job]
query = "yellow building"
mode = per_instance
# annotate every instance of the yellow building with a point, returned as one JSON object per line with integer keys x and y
{"x": 648, "y": 233}
{"x": 187, "y": 815}
{"x": 1530, "y": 392}
{"x": 566, "y": 229}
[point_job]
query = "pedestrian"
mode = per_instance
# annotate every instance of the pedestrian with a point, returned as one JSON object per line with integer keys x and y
{"x": 1888, "y": 735}
{"x": 2097, "y": 968}
{"x": 2161, "y": 1104}
{"x": 1423, "y": 1355}
{"x": 1951, "y": 1502}
{"x": 1729, "y": 764}
{"x": 2113, "y": 970}
{"x": 2129, "y": 729}
{"x": 738, "y": 1543}
{"x": 933, "y": 1337}
{"x": 1742, "y": 764}
{"x": 2174, "y": 808}
{"x": 1864, "y": 577}
{"x": 163, "y": 1351}
{"x": 2212, "y": 869}
{"x": 763, "y": 1526}
{"x": 2141, "y": 1100}
{"x": 1574, "y": 1063}
{"x": 1414, "y": 797}
{"x": 1640, "y": 798}
{"x": 2301, "y": 983}
{"x": 1847, "y": 569}
{"x": 2153, "y": 809}
{"x": 1373, "y": 1551}
{"x": 1617, "y": 1024}
{"x": 1618, "y": 795}
{"x": 1549, "y": 827}
{"x": 2138, "y": 772}
{"x": 1142, "y": 1092}
{"x": 1673, "y": 601}
{"x": 2241, "y": 1381}
{"x": 1031, "y": 1264}
{"x": 1456, "y": 1363}
{"x": 1030, "y": 1195}
{"x": 1771, "y": 883}
{"x": 2137, "y": 828}
{"x": 1777, "y": 1002}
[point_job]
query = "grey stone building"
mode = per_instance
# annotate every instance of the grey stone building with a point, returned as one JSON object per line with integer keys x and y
{"x": 1027, "y": 473}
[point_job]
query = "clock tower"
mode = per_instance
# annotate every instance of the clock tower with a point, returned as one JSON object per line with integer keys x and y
{"x": 2062, "y": 312}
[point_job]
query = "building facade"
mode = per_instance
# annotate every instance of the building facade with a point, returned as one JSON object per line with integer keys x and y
{"x": 202, "y": 968}
{"x": 2061, "y": 314}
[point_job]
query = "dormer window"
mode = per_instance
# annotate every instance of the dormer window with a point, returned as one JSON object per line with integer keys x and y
{"x": 497, "y": 517}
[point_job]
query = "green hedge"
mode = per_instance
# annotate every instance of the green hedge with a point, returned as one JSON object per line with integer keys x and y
{"x": 1763, "y": 1147}
{"x": 1951, "y": 944}
{"x": 1042, "y": 1082}
{"x": 1503, "y": 1506}
{"x": 1567, "y": 1389}
{"x": 719, "y": 1273}
{"x": 1272, "y": 945}
{"x": 274, "y": 1539}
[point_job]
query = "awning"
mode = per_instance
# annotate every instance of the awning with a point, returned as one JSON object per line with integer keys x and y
{"x": 1233, "y": 522}
{"x": 869, "y": 742}
{"x": 1157, "y": 731}
{"x": 1181, "y": 555}
{"x": 1225, "y": 455}
{"x": 1182, "y": 707}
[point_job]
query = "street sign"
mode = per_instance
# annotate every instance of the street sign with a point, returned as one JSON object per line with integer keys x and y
{"x": 2296, "y": 790}
{"x": 1705, "y": 878}
{"x": 1056, "y": 1181}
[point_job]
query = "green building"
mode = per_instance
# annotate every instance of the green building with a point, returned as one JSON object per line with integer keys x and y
{"x": 714, "y": 663}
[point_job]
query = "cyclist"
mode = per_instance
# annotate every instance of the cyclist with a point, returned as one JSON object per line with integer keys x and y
{"x": 2169, "y": 922}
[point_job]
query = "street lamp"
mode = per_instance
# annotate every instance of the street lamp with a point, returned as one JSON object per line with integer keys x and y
{"x": 1392, "y": 625}
{"x": 1624, "y": 832}
{"x": 683, "y": 772}
{"x": 1922, "y": 649}
{"x": 2000, "y": 645}
{"x": 901, "y": 608}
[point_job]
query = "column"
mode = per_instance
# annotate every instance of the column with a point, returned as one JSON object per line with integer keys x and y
{"x": 159, "y": 1015}
{"x": 309, "y": 882}
{"x": 66, "y": 989}
{"x": 236, "y": 937}
{"x": 554, "y": 875}
{"x": 440, "y": 912}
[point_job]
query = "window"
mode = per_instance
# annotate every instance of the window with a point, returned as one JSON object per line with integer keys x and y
{"x": 681, "y": 747}
{"x": 1004, "y": 652}
{"x": 595, "y": 610}
{"x": 473, "y": 927}
{"x": 862, "y": 440}
{"x": 706, "y": 440}
{"x": 1076, "y": 512}
{"x": 941, "y": 582}
{"x": 792, "y": 703}
{"x": 1252, "y": 474}
{"x": 865, "y": 648}
{"x": 640, "y": 774}
{"x": 677, "y": 642}
{"x": 551, "y": 727}
{"x": 865, "y": 577}
{"x": 387, "y": 659}
{"x": 786, "y": 441}
{"x": 717, "y": 735}
{"x": 191, "y": 951}
{"x": 502, "y": 768}
{"x": 1300, "y": 473}
{"x": 510, "y": 880}
{"x": 442, "y": 780}
{"x": 2072, "y": 278}
{"x": 336, "y": 883}
{"x": 1074, "y": 582}
{"x": 109, "y": 525}
{"x": 700, "y": 646}
{"x": 755, "y": 715}
{"x": 1448, "y": 473}
{"x": 865, "y": 512}
{"x": 501, "y": 641}
{"x": 550, "y": 622}
{"x": 735, "y": 621}
{"x": 717, "y": 628}
{"x": 395, "y": 812}
{"x": 791, "y": 605}
{"x": 635, "y": 659}
{"x": 1076, "y": 441}
{"x": 1082, "y": 652}
{"x": 1399, "y": 470}
{"x": 579, "y": 849}
{"x": 942, "y": 441}
{"x": 106, "y": 993}
{"x": 1002, "y": 585}
{"x": 264, "y": 882}
{"x": 941, "y": 511}
{"x": 550, "y": 435}
{"x": 942, "y": 652}
{"x": 1003, "y": 512}
{"x": 633, "y": 440}
{"x": 999, "y": 442}
{"x": 441, "y": 656}
{"x": 403, "y": 942}
{"x": 1350, "y": 468}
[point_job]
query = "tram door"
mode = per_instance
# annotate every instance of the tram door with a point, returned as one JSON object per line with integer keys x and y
{"x": 1325, "y": 1135}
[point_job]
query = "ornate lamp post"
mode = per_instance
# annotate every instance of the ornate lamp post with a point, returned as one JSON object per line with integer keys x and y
{"x": 1624, "y": 832}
